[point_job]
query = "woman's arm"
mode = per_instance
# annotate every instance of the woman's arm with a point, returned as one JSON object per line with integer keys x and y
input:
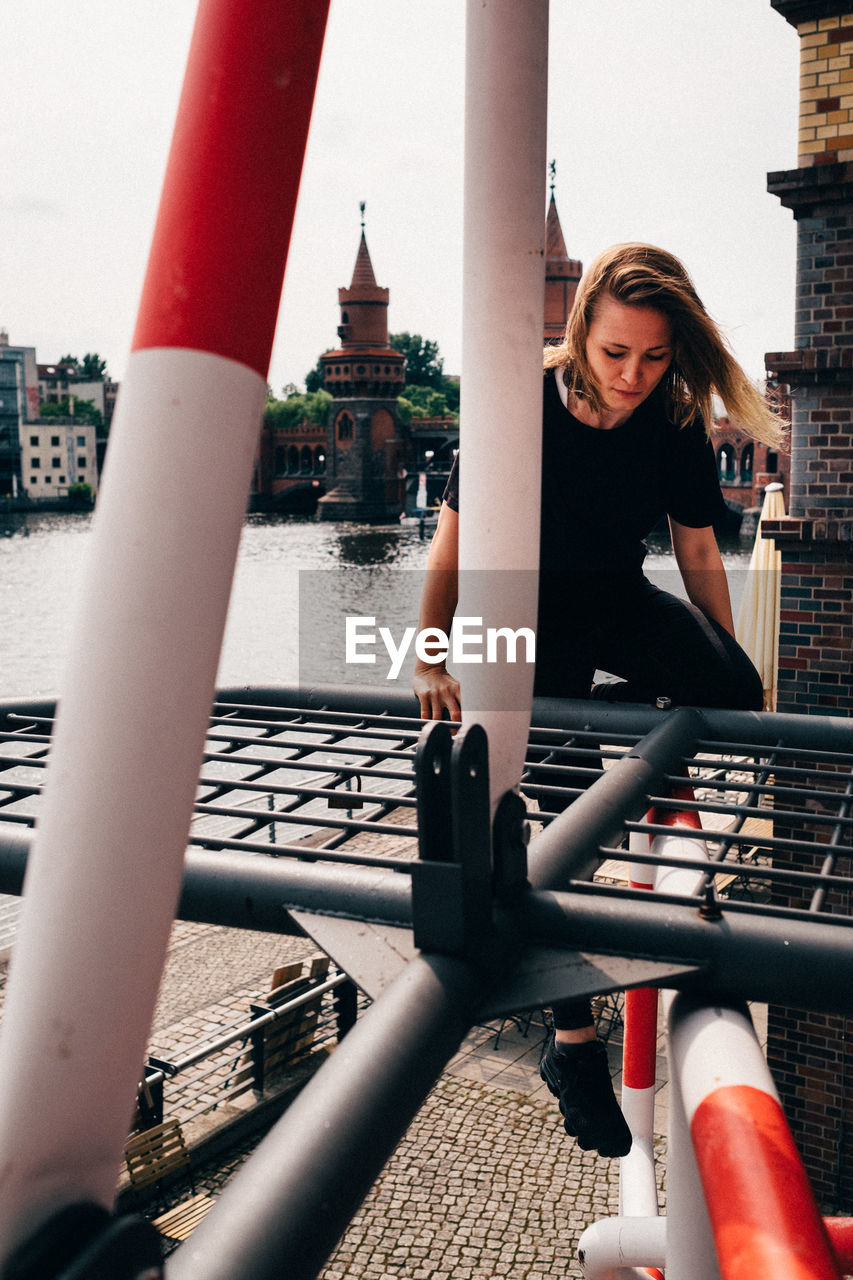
{"x": 701, "y": 566}
{"x": 436, "y": 689}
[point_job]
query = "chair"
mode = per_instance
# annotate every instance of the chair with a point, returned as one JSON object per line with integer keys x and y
{"x": 155, "y": 1156}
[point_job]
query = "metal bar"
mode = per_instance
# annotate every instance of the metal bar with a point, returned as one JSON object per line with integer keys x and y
{"x": 568, "y": 847}
{"x": 286, "y": 1208}
{"x": 722, "y": 729}
{"x": 313, "y": 766}
{"x": 277, "y": 788}
{"x": 721, "y": 867}
{"x": 836, "y": 850}
{"x": 304, "y": 853}
{"x": 263, "y": 817}
{"x": 805, "y": 964}
{"x": 263, "y": 1020}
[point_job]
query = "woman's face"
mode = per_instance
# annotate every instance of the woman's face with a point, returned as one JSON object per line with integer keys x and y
{"x": 628, "y": 349}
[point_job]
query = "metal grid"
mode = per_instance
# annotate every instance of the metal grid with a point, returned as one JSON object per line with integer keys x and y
{"x": 331, "y": 785}
{"x": 455, "y": 923}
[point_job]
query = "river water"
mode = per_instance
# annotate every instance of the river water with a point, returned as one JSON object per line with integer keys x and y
{"x": 335, "y": 568}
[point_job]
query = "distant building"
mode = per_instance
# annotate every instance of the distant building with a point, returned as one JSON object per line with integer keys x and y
{"x": 19, "y": 403}
{"x": 366, "y": 442}
{"x": 58, "y": 380}
{"x": 290, "y": 467}
{"x": 746, "y": 466}
{"x": 562, "y": 275}
{"x": 55, "y": 455}
{"x": 365, "y": 464}
{"x": 41, "y": 459}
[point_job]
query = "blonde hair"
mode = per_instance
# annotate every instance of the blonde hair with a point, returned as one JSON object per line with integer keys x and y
{"x": 642, "y": 275}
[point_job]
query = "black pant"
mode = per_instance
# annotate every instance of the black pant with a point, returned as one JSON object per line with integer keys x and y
{"x": 659, "y": 646}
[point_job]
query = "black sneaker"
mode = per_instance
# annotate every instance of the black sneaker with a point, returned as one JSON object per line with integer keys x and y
{"x": 580, "y": 1079}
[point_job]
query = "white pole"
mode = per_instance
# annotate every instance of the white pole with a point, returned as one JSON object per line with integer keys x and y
{"x": 610, "y": 1247}
{"x": 690, "y": 1251}
{"x": 690, "y": 1243}
{"x": 501, "y": 406}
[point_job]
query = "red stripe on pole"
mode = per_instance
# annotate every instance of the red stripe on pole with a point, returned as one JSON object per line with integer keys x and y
{"x": 674, "y": 817}
{"x": 641, "y": 1014}
{"x": 641, "y": 1030}
{"x": 840, "y": 1231}
{"x": 223, "y": 228}
{"x": 765, "y": 1221}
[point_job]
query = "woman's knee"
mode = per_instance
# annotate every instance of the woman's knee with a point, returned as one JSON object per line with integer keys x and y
{"x": 740, "y": 687}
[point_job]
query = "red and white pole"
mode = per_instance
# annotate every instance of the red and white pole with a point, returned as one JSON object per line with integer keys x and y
{"x": 106, "y": 869}
{"x": 637, "y": 1184}
{"x": 762, "y": 1211}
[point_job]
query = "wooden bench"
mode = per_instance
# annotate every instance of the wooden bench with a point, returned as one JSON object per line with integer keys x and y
{"x": 156, "y": 1156}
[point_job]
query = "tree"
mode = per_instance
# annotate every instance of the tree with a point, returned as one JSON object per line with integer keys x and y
{"x": 92, "y": 368}
{"x": 424, "y": 366}
{"x": 425, "y": 403}
{"x": 83, "y": 411}
{"x": 296, "y": 409}
{"x": 314, "y": 378}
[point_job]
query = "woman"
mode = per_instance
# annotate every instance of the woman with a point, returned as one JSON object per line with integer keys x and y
{"x": 626, "y": 418}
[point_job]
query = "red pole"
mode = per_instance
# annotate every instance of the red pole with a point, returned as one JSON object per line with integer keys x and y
{"x": 760, "y": 1203}
{"x": 840, "y": 1232}
{"x": 223, "y": 227}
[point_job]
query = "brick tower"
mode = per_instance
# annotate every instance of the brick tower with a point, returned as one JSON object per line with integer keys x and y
{"x": 365, "y": 443}
{"x": 807, "y": 1052}
{"x": 562, "y": 273}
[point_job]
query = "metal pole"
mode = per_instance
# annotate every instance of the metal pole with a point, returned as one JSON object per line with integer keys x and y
{"x": 105, "y": 876}
{"x": 285, "y": 1210}
{"x": 503, "y": 300}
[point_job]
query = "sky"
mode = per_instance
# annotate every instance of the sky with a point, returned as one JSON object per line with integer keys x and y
{"x": 665, "y": 117}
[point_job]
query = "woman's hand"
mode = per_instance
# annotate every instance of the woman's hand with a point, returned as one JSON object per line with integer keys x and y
{"x": 437, "y": 691}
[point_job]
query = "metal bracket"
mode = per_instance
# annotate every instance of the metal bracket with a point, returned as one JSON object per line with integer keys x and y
{"x": 511, "y": 834}
{"x": 452, "y": 882}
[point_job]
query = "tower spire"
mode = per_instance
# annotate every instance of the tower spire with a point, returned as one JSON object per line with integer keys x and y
{"x": 562, "y": 273}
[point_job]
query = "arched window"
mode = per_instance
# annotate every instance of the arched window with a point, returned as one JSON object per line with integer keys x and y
{"x": 292, "y": 459}
{"x": 307, "y": 460}
{"x": 726, "y": 463}
{"x": 772, "y": 463}
{"x": 746, "y": 463}
{"x": 345, "y": 427}
{"x": 319, "y": 461}
{"x": 280, "y": 459}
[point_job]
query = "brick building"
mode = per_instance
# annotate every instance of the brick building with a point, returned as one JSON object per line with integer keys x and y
{"x": 746, "y": 466}
{"x": 562, "y": 274}
{"x": 366, "y": 442}
{"x": 807, "y": 1052}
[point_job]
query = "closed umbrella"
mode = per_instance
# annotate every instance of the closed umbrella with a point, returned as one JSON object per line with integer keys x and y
{"x": 757, "y": 627}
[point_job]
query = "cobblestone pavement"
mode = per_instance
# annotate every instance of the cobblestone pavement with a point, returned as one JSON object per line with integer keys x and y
{"x": 484, "y": 1184}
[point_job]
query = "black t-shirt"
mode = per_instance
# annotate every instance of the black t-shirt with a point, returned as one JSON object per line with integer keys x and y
{"x": 604, "y": 491}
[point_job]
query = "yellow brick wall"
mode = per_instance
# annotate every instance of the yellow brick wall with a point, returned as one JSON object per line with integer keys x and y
{"x": 826, "y": 90}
